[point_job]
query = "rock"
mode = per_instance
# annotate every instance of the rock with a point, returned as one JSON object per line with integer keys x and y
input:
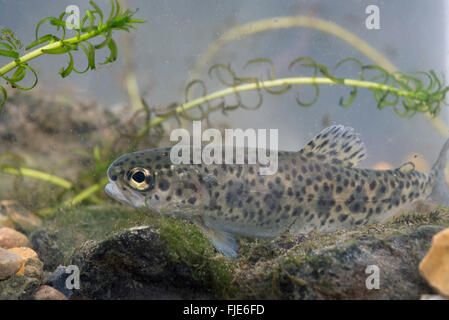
{"x": 23, "y": 287}
{"x": 48, "y": 293}
{"x": 25, "y": 254}
{"x": 58, "y": 279}
{"x": 10, "y": 238}
{"x": 6, "y": 221}
{"x": 137, "y": 264}
{"x": 144, "y": 263}
{"x": 10, "y": 263}
{"x": 22, "y": 218}
{"x": 435, "y": 265}
{"x": 47, "y": 246}
{"x": 342, "y": 271}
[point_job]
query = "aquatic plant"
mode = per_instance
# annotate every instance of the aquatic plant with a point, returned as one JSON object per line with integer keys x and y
{"x": 408, "y": 94}
{"x": 92, "y": 25}
{"x": 288, "y": 22}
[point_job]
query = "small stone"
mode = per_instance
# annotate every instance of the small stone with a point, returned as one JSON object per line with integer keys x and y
{"x": 10, "y": 263}
{"x": 6, "y": 221}
{"x": 10, "y": 238}
{"x": 435, "y": 265}
{"x": 23, "y": 287}
{"x": 25, "y": 254}
{"x": 34, "y": 268}
{"x": 46, "y": 244}
{"x": 48, "y": 293}
{"x": 20, "y": 216}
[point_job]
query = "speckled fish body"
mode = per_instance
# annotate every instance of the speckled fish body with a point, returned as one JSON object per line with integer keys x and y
{"x": 317, "y": 188}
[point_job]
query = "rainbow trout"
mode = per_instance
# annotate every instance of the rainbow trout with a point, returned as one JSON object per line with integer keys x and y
{"x": 317, "y": 188}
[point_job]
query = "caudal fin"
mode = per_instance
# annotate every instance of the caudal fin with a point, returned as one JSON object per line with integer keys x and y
{"x": 440, "y": 190}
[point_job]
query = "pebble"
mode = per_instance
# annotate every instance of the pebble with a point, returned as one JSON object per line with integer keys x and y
{"x": 10, "y": 238}
{"x": 10, "y": 263}
{"x": 25, "y": 254}
{"x": 6, "y": 221}
{"x": 435, "y": 265}
{"x": 47, "y": 246}
{"x": 48, "y": 293}
{"x": 19, "y": 216}
{"x": 23, "y": 287}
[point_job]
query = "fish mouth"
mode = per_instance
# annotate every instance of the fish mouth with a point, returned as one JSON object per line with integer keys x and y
{"x": 113, "y": 190}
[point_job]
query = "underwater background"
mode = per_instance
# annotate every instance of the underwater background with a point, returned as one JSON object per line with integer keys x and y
{"x": 165, "y": 50}
{"x": 67, "y": 131}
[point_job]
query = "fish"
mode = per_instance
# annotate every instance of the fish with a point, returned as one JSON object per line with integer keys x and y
{"x": 318, "y": 188}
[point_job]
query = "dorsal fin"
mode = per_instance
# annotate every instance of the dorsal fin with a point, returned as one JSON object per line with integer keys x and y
{"x": 406, "y": 167}
{"x": 337, "y": 145}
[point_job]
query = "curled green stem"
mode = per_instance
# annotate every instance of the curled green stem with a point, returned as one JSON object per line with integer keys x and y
{"x": 278, "y": 83}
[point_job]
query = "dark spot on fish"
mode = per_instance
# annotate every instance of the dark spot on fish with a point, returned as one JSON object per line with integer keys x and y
{"x": 297, "y": 211}
{"x": 164, "y": 185}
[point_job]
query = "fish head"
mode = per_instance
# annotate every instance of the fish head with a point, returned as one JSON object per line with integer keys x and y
{"x": 149, "y": 179}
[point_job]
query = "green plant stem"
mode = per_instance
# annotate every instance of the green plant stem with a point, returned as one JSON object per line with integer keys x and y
{"x": 275, "y": 83}
{"x": 55, "y": 45}
{"x": 86, "y": 193}
{"x": 31, "y": 173}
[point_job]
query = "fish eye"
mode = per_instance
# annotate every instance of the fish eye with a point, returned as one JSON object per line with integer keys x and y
{"x": 140, "y": 179}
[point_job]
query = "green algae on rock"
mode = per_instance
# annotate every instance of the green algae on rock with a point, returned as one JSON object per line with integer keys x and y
{"x": 167, "y": 258}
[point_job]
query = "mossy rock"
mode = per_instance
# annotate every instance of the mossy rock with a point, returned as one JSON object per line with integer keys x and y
{"x": 127, "y": 254}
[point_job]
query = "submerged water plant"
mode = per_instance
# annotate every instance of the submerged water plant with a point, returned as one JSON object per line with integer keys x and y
{"x": 94, "y": 24}
{"x": 407, "y": 94}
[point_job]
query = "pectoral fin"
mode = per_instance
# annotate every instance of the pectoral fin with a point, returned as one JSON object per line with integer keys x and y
{"x": 223, "y": 241}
